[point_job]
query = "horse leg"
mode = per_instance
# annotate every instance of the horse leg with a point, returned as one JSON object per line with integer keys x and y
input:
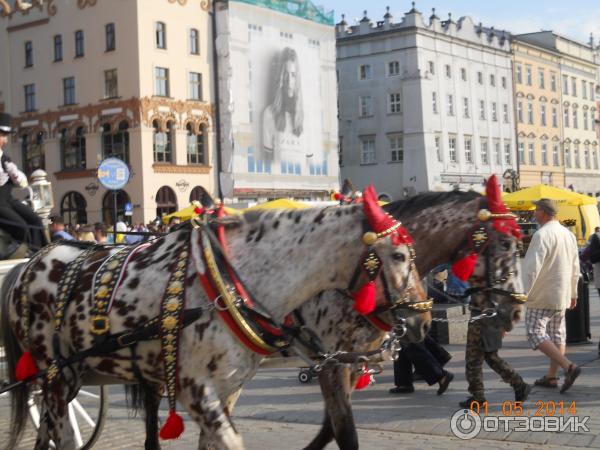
{"x": 54, "y": 421}
{"x": 336, "y": 387}
{"x": 204, "y": 406}
{"x": 229, "y": 405}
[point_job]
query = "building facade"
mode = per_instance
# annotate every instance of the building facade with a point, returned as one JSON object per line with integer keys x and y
{"x": 539, "y": 114}
{"x": 424, "y": 104}
{"x": 94, "y": 79}
{"x": 578, "y": 72}
{"x": 277, "y": 97}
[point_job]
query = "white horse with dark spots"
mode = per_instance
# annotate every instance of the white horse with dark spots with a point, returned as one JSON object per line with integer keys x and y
{"x": 283, "y": 257}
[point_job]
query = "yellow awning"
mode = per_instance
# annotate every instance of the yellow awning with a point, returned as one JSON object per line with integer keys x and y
{"x": 523, "y": 200}
{"x": 280, "y": 203}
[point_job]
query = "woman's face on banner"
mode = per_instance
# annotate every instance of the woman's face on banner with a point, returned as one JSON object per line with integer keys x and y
{"x": 289, "y": 78}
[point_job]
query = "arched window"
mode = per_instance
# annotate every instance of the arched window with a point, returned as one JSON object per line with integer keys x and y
{"x": 163, "y": 143}
{"x": 196, "y": 148}
{"x": 197, "y": 194}
{"x": 166, "y": 201}
{"x": 116, "y": 143}
{"x": 73, "y": 208}
{"x": 32, "y": 149}
{"x": 72, "y": 149}
{"x": 108, "y": 205}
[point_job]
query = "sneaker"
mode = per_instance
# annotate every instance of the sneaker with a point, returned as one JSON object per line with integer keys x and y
{"x": 445, "y": 382}
{"x": 522, "y": 392}
{"x": 402, "y": 389}
{"x": 467, "y": 403}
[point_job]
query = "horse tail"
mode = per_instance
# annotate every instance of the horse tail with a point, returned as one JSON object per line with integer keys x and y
{"x": 146, "y": 397}
{"x": 12, "y": 351}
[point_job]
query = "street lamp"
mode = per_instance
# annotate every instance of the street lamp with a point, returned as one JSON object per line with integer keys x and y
{"x": 42, "y": 198}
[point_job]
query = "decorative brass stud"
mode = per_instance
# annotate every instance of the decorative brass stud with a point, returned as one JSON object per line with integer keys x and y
{"x": 484, "y": 215}
{"x": 369, "y": 238}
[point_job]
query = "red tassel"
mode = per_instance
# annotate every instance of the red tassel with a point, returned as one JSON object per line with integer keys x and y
{"x": 364, "y": 299}
{"x": 198, "y": 210}
{"x": 463, "y": 269}
{"x": 173, "y": 427}
{"x": 337, "y": 196}
{"x": 26, "y": 367}
{"x": 363, "y": 381}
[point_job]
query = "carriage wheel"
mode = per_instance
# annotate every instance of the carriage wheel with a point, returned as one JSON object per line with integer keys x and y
{"x": 87, "y": 414}
{"x": 305, "y": 376}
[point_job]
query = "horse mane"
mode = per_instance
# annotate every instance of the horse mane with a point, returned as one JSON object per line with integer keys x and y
{"x": 426, "y": 200}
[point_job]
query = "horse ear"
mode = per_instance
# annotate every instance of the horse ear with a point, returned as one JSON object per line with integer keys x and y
{"x": 377, "y": 218}
{"x": 229, "y": 222}
{"x": 494, "y": 196}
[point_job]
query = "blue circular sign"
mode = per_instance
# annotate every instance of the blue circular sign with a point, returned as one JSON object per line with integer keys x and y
{"x": 113, "y": 173}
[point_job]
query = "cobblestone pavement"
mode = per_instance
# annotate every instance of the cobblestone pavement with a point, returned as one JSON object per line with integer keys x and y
{"x": 275, "y": 411}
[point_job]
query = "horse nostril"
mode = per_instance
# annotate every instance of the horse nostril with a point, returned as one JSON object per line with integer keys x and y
{"x": 516, "y": 315}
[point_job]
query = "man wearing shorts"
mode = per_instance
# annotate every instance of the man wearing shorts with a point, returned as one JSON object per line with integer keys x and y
{"x": 550, "y": 274}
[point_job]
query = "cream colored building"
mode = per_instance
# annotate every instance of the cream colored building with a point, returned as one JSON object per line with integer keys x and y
{"x": 538, "y": 113}
{"x": 91, "y": 79}
{"x": 579, "y": 109}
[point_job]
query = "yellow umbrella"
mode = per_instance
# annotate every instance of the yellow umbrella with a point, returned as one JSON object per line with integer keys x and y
{"x": 523, "y": 200}
{"x": 280, "y": 203}
{"x": 189, "y": 212}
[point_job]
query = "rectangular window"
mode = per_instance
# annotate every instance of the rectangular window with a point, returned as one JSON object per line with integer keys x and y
{"x": 497, "y": 154}
{"x": 503, "y": 82}
{"x": 367, "y": 153}
{"x": 364, "y": 72}
{"x": 592, "y": 121}
{"x": 521, "y": 151}
{"x": 494, "y": 112}
{"x": 452, "y": 149}
{"x": 395, "y": 104}
{"x": 111, "y": 41}
{"x": 576, "y": 155}
{"x": 555, "y": 159}
{"x": 194, "y": 42}
{"x": 29, "y": 97}
{"x": 566, "y": 117}
{"x": 468, "y": 150}
{"x": 79, "y": 44}
{"x": 160, "y": 32}
{"x": 448, "y": 71}
{"x": 575, "y": 117}
{"x": 463, "y": 74}
{"x": 531, "y": 148}
{"x": 450, "y": 105}
{"x": 69, "y": 91}
{"x": 28, "y": 54}
{"x": 567, "y": 156}
{"x": 438, "y": 147}
{"x": 161, "y": 82}
{"x": 519, "y": 74}
{"x": 485, "y": 159}
{"x": 482, "y": 109}
{"x": 592, "y": 95}
{"x": 58, "y": 49}
{"x": 586, "y": 156}
{"x": 565, "y": 85}
{"x": 466, "y": 113}
{"x": 544, "y": 154}
{"x": 574, "y": 86}
{"x": 111, "y": 84}
{"x": 505, "y": 113}
{"x": 396, "y": 148}
{"x": 393, "y": 68}
{"x": 553, "y": 81}
{"x": 520, "y": 112}
{"x": 530, "y": 113}
{"x": 365, "y": 106}
{"x": 492, "y": 80}
{"x": 554, "y": 117}
{"x": 585, "y": 120}
{"x": 195, "y": 85}
{"x": 507, "y": 154}
{"x": 480, "y": 77}
{"x": 434, "y": 105}
{"x": 431, "y": 67}
{"x": 595, "y": 159}
{"x": 541, "y": 79}
{"x": 543, "y": 114}
{"x": 528, "y": 76}
{"x": 584, "y": 89}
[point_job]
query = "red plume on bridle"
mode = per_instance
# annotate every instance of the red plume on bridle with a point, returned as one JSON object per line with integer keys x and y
{"x": 381, "y": 225}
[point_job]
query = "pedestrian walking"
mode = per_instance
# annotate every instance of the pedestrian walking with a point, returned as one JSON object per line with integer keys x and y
{"x": 593, "y": 252}
{"x": 550, "y": 276}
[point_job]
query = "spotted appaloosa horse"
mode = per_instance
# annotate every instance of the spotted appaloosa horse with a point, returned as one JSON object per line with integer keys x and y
{"x": 441, "y": 225}
{"x": 284, "y": 257}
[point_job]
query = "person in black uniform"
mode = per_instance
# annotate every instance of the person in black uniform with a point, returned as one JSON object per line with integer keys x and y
{"x": 16, "y": 219}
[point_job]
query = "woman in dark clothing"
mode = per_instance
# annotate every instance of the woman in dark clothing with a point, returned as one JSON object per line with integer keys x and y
{"x": 16, "y": 219}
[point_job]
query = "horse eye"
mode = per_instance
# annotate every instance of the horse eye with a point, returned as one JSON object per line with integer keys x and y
{"x": 505, "y": 245}
{"x": 399, "y": 257}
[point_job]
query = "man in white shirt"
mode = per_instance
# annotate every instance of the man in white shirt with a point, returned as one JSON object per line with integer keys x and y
{"x": 550, "y": 275}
